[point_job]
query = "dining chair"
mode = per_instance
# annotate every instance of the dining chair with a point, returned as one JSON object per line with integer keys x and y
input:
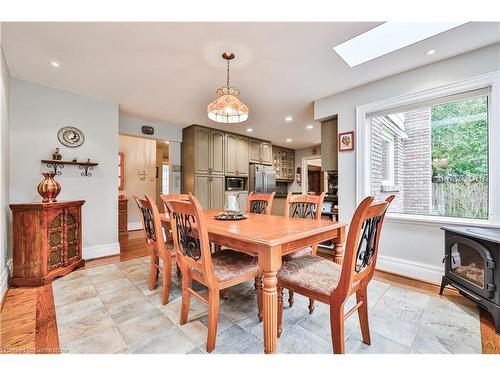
{"x": 220, "y": 270}
{"x": 259, "y": 203}
{"x": 155, "y": 243}
{"x": 305, "y": 206}
{"x": 164, "y": 198}
{"x": 332, "y": 283}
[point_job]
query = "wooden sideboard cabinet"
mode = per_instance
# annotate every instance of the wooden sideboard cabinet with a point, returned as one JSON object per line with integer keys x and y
{"x": 47, "y": 241}
{"x": 122, "y": 215}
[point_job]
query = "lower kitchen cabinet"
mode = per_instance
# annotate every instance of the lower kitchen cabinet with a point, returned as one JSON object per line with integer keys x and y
{"x": 210, "y": 191}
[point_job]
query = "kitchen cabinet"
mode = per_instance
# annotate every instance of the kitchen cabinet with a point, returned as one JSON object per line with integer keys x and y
{"x": 208, "y": 155}
{"x": 284, "y": 163}
{"x": 236, "y": 155}
{"x": 208, "y": 151}
{"x": 242, "y": 156}
{"x": 210, "y": 191}
{"x": 260, "y": 152}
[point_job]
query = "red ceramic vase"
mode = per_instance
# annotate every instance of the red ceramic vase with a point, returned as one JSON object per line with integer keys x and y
{"x": 49, "y": 188}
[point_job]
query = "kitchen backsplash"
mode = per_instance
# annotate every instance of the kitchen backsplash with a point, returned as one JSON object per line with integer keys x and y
{"x": 282, "y": 188}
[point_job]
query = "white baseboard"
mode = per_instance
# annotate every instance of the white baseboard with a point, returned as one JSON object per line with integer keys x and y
{"x": 99, "y": 251}
{"x": 4, "y": 278}
{"x": 416, "y": 270}
{"x": 134, "y": 226}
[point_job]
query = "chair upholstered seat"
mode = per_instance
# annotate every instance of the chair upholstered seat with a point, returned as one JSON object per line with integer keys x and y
{"x": 299, "y": 253}
{"x": 229, "y": 264}
{"x": 310, "y": 272}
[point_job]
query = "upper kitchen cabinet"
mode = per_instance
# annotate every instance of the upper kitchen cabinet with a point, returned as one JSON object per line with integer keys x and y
{"x": 284, "y": 163}
{"x": 329, "y": 139}
{"x": 260, "y": 152}
{"x": 203, "y": 150}
{"x": 236, "y": 155}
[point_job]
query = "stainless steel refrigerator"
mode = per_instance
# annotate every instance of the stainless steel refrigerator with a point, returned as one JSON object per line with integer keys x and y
{"x": 262, "y": 178}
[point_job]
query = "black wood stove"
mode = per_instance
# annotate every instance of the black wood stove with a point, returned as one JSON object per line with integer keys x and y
{"x": 472, "y": 265}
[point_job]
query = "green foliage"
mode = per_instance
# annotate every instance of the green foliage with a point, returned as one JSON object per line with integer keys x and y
{"x": 460, "y": 135}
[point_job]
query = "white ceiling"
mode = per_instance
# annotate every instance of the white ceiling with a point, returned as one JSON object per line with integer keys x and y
{"x": 169, "y": 71}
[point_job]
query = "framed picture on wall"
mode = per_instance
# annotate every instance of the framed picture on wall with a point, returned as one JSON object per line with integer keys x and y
{"x": 346, "y": 141}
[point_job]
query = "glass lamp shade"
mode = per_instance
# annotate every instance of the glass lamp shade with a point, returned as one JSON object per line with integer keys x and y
{"x": 227, "y": 108}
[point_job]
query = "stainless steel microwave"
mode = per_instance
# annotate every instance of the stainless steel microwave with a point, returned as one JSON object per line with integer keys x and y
{"x": 235, "y": 183}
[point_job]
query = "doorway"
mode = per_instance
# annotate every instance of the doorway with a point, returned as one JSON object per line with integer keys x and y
{"x": 311, "y": 175}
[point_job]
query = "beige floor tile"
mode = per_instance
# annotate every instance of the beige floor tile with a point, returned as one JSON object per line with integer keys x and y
{"x": 396, "y": 330}
{"x": 99, "y": 319}
{"x": 392, "y": 308}
{"x": 77, "y": 310}
{"x": 169, "y": 341}
{"x": 102, "y": 342}
{"x": 408, "y": 296}
{"x": 379, "y": 345}
{"x": 104, "y": 273}
{"x": 143, "y": 326}
{"x": 195, "y": 331}
{"x": 64, "y": 286}
{"x": 113, "y": 286}
{"x": 74, "y": 295}
{"x": 173, "y": 309}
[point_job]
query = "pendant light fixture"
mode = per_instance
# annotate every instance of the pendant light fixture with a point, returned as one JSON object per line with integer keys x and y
{"x": 227, "y": 108}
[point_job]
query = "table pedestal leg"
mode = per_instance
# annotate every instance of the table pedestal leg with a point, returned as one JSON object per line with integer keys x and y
{"x": 269, "y": 263}
{"x": 338, "y": 253}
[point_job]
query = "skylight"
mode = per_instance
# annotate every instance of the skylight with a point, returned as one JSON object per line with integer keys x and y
{"x": 387, "y": 38}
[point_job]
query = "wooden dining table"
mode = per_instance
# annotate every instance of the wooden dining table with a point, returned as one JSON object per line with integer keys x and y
{"x": 269, "y": 237}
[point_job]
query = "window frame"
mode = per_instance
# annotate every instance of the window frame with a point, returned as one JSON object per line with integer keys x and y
{"x": 389, "y": 138}
{"x": 363, "y": 165}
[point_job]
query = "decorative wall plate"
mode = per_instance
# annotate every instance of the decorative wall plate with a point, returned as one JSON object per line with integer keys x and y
{"x": 71, "y": 136}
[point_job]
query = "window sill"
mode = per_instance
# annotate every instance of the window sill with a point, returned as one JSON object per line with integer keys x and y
{"x": 437, "y": 221}
{"x": 389, "y": 189}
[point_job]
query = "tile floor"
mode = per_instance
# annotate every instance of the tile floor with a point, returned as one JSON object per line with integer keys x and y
{"x": 110, "y": 309}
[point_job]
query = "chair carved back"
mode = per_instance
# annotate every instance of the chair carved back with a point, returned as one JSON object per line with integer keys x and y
{"x": 190, "y": 236}
{"x": 164, "y": 198}
{"x": 305, "y": 206}
{"x": 260, "y": 203}
{"x": 151, "y": 225}
{"x": 362, "y": 244}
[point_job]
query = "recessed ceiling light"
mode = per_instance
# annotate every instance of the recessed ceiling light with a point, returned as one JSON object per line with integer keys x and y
{"x": 309, "y": 126}
{"x": 167, "y": 142}
{"x": 55, "y": 64}
{"x": 249, "y": 130}
{"x": 431, "y": 52}
{"x": 387, "y": 38}
{"x": 289, "y": 140}
{"x": 288, "y": 118}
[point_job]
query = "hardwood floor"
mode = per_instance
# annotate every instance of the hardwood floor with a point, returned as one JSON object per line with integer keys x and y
{"x": 28, "y": 322}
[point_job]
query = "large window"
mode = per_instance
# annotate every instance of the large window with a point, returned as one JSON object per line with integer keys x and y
{"x": 433, "y": 155}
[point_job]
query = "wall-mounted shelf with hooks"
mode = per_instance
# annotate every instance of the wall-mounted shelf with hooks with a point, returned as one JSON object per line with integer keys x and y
{"x": 85, "y": 166}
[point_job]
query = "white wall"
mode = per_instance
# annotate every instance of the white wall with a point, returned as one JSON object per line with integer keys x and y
{"x": 406, "y": 248}
{"x": 4, "y": 170}
{"x": 140, "y": 155}
{"x": 37, "y": 113}
{"x": 130, "y": 125}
